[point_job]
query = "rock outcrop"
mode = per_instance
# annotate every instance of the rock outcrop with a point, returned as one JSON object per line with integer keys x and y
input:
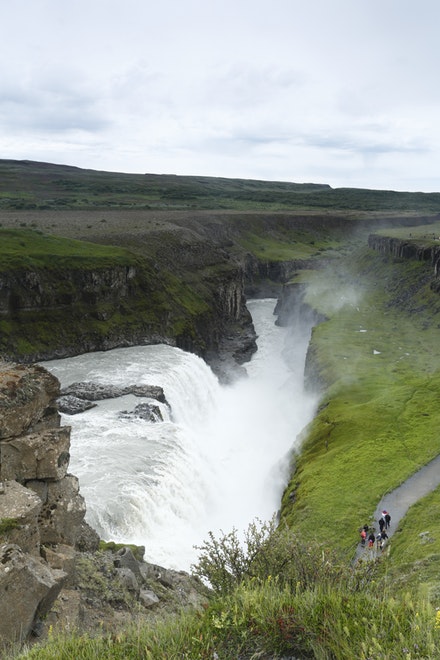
{"x": 52, "y": 572}
{"x": 415, "y": 249}
{"x": 40, "y": 502}
{"x": 405, "y": 249}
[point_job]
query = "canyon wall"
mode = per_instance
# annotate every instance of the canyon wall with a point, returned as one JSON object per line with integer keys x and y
{"x": 404, "y": 249}
{"x": 415, "y": 249}
{"x": 52, "y": 313}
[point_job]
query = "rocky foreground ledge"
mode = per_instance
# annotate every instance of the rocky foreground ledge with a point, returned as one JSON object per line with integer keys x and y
{"x": 53, "y": 573}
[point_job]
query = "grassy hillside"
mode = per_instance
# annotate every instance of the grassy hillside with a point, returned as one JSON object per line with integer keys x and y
{"x": 26, "y": 185}
{"x": 379, "y": 356}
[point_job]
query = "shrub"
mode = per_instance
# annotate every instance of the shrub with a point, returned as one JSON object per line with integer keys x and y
{"x": 270, "y": 552}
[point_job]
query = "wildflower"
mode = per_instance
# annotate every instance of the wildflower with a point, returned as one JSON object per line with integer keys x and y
{"x": 437, "y": 620}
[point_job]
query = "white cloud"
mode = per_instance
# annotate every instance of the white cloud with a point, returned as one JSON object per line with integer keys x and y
{"x": 341, "y": 92}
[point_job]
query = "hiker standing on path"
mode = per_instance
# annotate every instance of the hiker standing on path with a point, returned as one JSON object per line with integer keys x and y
{"x": 386, "y": 518}
{"x": 381, "y": 523}
{"x": 383, "y": 538}
{"x": 371, "y": 539}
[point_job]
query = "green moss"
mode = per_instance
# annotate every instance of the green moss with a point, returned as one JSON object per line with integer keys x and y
{"x": 110, "y": 546}
{"x": 7, "y": 525}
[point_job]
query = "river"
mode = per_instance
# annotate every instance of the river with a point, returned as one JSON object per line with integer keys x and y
{"x": 218, "y": 460}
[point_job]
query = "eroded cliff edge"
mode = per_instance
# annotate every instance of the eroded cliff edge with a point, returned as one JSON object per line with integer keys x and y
{"x": 174, "y": 290}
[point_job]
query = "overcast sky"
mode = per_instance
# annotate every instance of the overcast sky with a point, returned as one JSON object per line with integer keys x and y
{"x": 344, "y": 92}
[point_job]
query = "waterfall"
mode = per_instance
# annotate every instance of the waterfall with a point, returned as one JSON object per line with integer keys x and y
{"x": 218, "y": 460}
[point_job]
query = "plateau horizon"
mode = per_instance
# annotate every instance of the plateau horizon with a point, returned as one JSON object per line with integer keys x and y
{"x": 339, "y": 93}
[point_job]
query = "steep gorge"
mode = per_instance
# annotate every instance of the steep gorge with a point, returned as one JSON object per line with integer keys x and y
{"x": 90, "y": 309}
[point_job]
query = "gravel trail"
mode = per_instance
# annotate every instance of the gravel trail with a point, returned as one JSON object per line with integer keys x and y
{"x": 404, "y": 496}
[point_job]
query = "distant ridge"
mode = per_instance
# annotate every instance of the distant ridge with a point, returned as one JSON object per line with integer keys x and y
{"x": 27, "y": 185}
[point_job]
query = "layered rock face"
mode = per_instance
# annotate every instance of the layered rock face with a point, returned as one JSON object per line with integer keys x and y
{"x": 404, "y": 249}
{"x": 41, "y": 509}
{"x": 410, "y": 249}
{"x": 35, "y": 289}
{"x": 53, "y": 314}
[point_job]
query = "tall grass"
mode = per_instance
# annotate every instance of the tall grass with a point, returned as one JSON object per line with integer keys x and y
{"x": 265, "y": 619}
{"x": 287, "y": 599}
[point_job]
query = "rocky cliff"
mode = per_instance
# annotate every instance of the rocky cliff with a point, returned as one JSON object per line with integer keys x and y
{"x": 416, "y": 249}
{"x": 47, "y": 313}
{"x": 51, "y": 571}
{"x": 41, "y": 509}
{"x": 404, "y": 249}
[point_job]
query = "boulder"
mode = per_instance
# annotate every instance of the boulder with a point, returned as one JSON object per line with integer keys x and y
{"x": 125, "y": 558}
{"x": 148, "y": 598}
{"x": 39, "y": 487}
{"x": 128, "y": 580}
{"x": 146, "y": 411}
{"x": 31, "y": 588}
{"x": 90, "y": 391}
{"x": 147, "y": 391}
{"x": 42, "y": 455}
{"x": 26, "y": 394}
{"x": 61, "y": 557}
{"x": 63, "y": 512}
{"x": 19, "y": 511}
{"x": 87, "y": 539}
{"x": 72, "y": 405}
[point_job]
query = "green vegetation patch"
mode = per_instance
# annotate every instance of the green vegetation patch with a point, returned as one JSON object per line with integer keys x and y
{"x": 137, "y": 550}
{"x": 27, "y": 248}
{"x": 32, "y": 185}
{"x": 7, "y": 525}
{"x": 272, "y": 249}
{"x": 426, "y": 234}
{"x": 413, "y": 560}
{"x": 378, "y": 361}
{"x": 279, "y": 597}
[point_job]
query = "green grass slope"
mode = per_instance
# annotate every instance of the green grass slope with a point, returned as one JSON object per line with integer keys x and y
{"x": 378, "y": 355}
{"x": 29, "y": 248}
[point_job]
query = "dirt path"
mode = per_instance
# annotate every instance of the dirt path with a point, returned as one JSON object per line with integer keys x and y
{"x": 399, "y": 500}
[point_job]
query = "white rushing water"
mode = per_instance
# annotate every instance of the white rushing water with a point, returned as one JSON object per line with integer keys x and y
{"x": 219, "y": 461}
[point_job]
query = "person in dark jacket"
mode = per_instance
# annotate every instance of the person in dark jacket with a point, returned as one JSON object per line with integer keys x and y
{"x": 383, "y": 538}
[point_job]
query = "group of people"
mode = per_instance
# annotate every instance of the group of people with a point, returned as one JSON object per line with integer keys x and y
{"x": 369, "y": 536}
